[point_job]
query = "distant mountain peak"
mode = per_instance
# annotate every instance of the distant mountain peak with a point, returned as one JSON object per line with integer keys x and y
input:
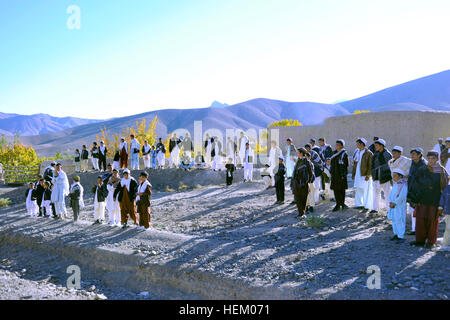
{"x": 217, "y": 104}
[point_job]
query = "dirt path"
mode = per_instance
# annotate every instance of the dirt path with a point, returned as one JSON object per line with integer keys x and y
{"x": 228, "y": 242}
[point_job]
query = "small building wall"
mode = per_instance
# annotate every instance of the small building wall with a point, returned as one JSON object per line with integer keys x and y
{"x": 407, "y": 129}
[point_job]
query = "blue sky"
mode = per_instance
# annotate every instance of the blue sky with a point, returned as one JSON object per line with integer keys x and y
{"x": 135, "y": 56}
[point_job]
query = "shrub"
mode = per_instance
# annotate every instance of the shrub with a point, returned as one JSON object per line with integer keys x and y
{"x": 4, "y": 202}
{"x": 314, "y": 222}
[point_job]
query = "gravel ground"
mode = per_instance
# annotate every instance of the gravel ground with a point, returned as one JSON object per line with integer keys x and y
{"x": 237, "y": 233}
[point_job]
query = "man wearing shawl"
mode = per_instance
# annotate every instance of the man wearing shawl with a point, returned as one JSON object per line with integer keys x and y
{"x": 248, "y": 163}
{"x": 381, "y": 175}
{"x": 431, "y": 180}
{"x": 361, "y": 175}
{"x": 413, "y": 188}
{"x": 123, "y": 153}
{"x": 161, "y": 154}
{"x": 290, "y": 157}
{"x": 243, "y": 140}
{"x": 60, "y": 191}
{"x": 274, "y": 155}
{"x": 339, "y": 170}
{"x": 143, "y": 195}
{"x": 135, "y": 147}
{"x": 112, "y": 204}
{"x": 302, "y": 177}
{"x": 125, "y": 193}
{"x": 397, "y": 204}
{"x": 146, "y": 150}
{"x": 216, "y": 154}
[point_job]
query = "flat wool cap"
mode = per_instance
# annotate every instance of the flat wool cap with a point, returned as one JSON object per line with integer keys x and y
{"x": 382, "y": 142}
{"x": 362, "y": 140}
{"x": 417, "y": 150}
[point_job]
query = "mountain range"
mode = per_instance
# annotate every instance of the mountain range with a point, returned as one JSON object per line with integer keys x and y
{"x": 426, "y": 94}
{"x": 29, "y": 125}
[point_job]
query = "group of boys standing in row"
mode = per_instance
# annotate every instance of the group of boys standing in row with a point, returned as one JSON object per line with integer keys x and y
{"x": 123, "y": 198}
{"x": 419, "y": 186}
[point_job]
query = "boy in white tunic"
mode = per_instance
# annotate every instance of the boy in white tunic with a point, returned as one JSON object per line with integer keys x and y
{"x": 248, "y": 163}
{"x": 134, "y": 149}
{"x": 112, "y": 205}
{"x": 397, "y": 204}
{"x": 100, "y": 193}
{"x": 32, "y": 207}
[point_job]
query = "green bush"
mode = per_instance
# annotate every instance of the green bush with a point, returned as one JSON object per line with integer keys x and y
{"x": 4, "y": 202}
{"x": 314, "y": 222}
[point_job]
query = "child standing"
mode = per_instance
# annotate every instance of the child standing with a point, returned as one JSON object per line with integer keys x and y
{"x": 100, "y": 193}
{"x": 77, "y": 160}
{"x": 143, "y": 196}
{"x": 265, "y": 174}
{"x": 116, "y": 160}
{"x": 230, "y": 170}
{"x": 46, "y": 199}
{"x": 444, "y": 208}
{"x": 397, "y": 204}
{"x": 112, "y": 205}
{"x": 32, "y": 207}
{"x": 279, "y": 181}
{"x": 76, "y": 197}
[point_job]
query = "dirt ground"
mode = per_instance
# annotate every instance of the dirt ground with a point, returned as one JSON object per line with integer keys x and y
{"x": 233, "y": 233}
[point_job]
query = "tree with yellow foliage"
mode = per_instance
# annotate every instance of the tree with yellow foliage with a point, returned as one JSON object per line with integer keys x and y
{"x": 285, "y": 123}
{"x": 17, "y": 154}
{"x": 141, "y": 132}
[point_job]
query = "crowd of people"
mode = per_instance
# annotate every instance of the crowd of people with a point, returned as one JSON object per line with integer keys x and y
{"x": 382, "y": 180}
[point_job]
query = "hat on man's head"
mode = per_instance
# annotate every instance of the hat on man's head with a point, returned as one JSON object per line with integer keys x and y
{"x": 417, "y": 150}
{"x": 76, "y": 178}
{"x": 126, "y": 171}
{"x": 447, "y": 140}
{"x": 341, "y": 141}
{"x": 53, "y": 163}
{"x": 281, "y": 158}
{"x": 59, "y": 164}
{"x": 382, "y": 142}
{"x": 440, "y": 139}
{"x": 289, "y": 139}
{"x": 397, "y": 148}
{"x": 362, "y": 140}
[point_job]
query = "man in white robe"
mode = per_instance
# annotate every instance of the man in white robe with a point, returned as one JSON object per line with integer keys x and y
{"x": 291, "y": 157}
{"x": 231, "y": 150}
{"x": 248, "y": 163}
{"x": 60, "y": 190}
{"x": 363, "y": 182}
{"x": 134, "y": 149}
{"x": 217, "y": 159}
{"x": 146, "y": 150}
{"x": 243, "y": 140}
{"x": 208, "y": 148}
